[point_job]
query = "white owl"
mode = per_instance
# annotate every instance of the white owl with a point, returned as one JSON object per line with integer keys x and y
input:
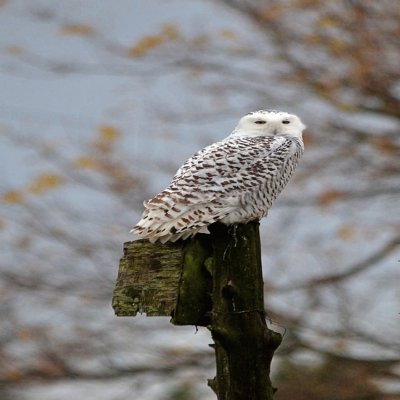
{"x": 232, "y": 181}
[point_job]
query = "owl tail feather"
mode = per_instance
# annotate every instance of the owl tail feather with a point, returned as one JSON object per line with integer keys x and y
{"x": 155, "y": 225}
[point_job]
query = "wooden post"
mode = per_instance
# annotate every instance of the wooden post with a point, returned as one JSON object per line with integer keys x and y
{"x": 243, "y": 343}
{"x": 215, "y": 281}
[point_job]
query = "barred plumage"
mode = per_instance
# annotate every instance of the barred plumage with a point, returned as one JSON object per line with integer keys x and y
{"x": 232, "y": 181}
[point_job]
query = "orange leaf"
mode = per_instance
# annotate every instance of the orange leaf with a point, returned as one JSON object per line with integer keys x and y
{"x": 326, "y": 22}
{"x": 313, "y": 38}
{"x": 85, "y": 162}
{"x": 13, "y": 374}
{"x": 109, "y": 133}
{"x": 384, "y": 145}
{"x": 49, "y": 367}
{"x": 337, "y": 46}
{"x": 308, "y": 139}
{"x": 346, "y": 232}
{"x": 45, "y": 182}
{"x": 330, "y": 196}
{"x": 77, "y": 29}
{"x": 13, "y": 197}
{"x": 227, "y": 34}
{"x": 170, "y": 31}
{"x": 24, "y": 334}
{"x": 15, "y": 50}
{"x": 144, "y": 45}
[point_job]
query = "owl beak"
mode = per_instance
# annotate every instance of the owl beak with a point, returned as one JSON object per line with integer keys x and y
{"x": 275, "y": 132}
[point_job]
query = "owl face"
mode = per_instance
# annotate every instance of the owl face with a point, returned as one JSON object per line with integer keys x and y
{"x": 270, "y": 123}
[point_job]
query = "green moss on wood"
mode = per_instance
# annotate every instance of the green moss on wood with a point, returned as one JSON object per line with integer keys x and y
{"x": 194, "y": 297}
{"x": 214, "y": 280}
{"x": 243, "y": 343}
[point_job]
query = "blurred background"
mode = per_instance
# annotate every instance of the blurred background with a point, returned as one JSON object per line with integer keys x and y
{"x": 101, "y": 102}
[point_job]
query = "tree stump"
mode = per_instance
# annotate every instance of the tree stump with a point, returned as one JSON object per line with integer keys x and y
{"x": 214, "y": 281}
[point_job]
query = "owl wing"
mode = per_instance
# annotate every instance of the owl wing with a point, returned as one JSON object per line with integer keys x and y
{"x": 228, "y": 169}
{"x": 212, "y": 184}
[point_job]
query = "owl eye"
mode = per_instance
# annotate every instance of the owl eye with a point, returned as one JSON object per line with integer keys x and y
{"x": 285, "y": 121}
{"x": 260, "y": 122}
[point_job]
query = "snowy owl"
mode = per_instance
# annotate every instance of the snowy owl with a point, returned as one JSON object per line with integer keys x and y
{"x": 231, "y": 181}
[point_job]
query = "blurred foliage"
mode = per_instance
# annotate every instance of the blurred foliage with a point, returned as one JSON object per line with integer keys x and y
{"x": 45, "y": 182}
{"x": 169, "y": 32}
{"x": 182, "y": 392}
{"x": 77, "y": 29}
{"x": 347, "y": 53}
{"x": 12, "y": 197}
{"x": 329, "y": 380}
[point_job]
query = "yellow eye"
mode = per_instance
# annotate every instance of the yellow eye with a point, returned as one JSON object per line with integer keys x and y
{"x": 260, "y": 122}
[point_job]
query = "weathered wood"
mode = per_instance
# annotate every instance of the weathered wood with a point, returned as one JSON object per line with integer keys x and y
{"x": 243, "y": 343}
{"x": 215, "y": 281}
{"x": 148, "y": 278}
{"x": 165, "y": 280}
{"x": 194, "y": 292}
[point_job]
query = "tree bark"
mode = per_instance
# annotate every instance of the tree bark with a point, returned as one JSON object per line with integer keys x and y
{"x": 211, "y": 280}
{"x": 244, "y": 345}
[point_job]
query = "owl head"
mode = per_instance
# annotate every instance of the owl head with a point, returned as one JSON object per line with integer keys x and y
{"x": 270, "y": 123}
